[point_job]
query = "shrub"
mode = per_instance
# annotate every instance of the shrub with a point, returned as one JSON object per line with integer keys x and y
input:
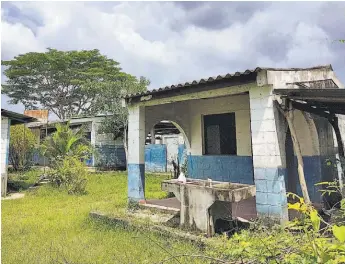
{"x": 22, "y": 146}
{"x": 66, "y": 142}
{"x": 69, "y": 173}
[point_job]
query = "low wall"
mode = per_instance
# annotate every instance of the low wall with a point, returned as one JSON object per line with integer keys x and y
{"x": 156, "y": 158}
{"x": 237, "y": 169}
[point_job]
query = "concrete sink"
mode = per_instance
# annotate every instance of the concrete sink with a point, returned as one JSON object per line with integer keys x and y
{"x": 204, "y": 202}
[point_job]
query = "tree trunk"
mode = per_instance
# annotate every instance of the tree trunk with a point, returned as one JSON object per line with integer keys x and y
{"x": 335, "y": 124}
{"x": 289, "y": 117}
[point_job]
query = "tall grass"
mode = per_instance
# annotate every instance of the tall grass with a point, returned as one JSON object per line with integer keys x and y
{"x": 50, "y": 226}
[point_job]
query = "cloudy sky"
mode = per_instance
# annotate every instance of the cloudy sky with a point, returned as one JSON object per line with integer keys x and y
{"x": 171, "y": 42}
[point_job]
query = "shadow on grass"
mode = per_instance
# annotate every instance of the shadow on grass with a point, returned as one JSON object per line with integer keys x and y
{"x": 21, "y": 181}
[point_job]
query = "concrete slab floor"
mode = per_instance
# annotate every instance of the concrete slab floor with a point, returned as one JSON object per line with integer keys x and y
{"x": 13, "y": 196}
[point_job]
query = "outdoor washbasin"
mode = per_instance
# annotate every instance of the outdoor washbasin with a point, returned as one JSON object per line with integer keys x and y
{"x": 203, "y": 202}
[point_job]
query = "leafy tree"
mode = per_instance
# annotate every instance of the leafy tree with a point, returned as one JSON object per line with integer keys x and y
{"x": 22, "y": 145}
{"x": 66, "y": 142}
{"x": 57, "y": 80}
{"x": 110, "y": 102}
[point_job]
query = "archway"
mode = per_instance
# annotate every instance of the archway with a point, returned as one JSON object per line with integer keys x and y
{"x": 165, "y": 146}
{"x": 309, "y": 143}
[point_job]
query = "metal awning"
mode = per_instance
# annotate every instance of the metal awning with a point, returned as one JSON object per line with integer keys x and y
{"x": 324, "y": 102}
{"x": 17, "y": 118}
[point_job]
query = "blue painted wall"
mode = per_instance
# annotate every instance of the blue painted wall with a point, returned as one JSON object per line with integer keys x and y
{"x": 238, "y": 169}
{"x": 181, "y": 150}
{"x": 315, "y": 170}
{"x": 156, "y": 158}
{"x": 110, "y": 156}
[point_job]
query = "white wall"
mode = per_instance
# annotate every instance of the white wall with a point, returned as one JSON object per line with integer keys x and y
{"x": 280, "y": 79}
{"x": 4, "y": 153}
{"x": 188, "y": 115}
{"x": 239, "y": 104}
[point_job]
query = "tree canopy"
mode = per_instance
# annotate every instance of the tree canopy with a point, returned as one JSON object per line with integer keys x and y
{"x": 110, "y": 103}
{"x": 64, "y": 82}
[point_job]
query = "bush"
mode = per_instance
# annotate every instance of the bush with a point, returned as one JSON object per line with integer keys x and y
{"x": 69, "y": 173}
{"x": 66, "y": 142}
{"x": 22, "y": 146}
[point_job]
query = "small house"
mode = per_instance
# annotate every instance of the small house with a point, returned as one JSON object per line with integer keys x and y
{"x": 234, "y": 131}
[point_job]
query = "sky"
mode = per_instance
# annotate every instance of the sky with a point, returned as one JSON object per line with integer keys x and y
{"x": 173, "y": 42}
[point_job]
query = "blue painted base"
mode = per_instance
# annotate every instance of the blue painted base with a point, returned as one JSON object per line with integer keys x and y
{"x": 270, "y": 192}
{"x": 238, "y": 169}
{"x": 315, "y": 170}
{"x": 136, "y": 182}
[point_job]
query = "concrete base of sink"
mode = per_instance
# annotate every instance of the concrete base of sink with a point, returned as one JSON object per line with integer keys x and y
{"x": 203, "y": 203}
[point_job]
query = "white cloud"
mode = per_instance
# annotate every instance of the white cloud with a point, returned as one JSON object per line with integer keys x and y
{"x": 169, "y": 43}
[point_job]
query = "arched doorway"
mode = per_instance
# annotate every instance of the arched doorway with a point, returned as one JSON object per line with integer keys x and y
{"x": 164, "y": 147}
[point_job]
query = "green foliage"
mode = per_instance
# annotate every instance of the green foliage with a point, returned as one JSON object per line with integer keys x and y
{"x": 59, "y": 80}
{"x": 308, "y": 239}
{"x": 111, "y": 102}
{"x": 69, "y": 173}
{"x": 22, "y": 146}
{"x": 323, "y": 249}
{"x": 66, "y": 149}
{"x": 66, "y": 142}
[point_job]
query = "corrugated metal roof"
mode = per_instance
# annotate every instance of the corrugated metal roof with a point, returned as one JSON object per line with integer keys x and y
{"x": 17, "y": 118}
{"x": 223, "y": 77}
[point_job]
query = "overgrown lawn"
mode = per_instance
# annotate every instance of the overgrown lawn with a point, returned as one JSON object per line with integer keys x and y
{"x": 50, "y": 226}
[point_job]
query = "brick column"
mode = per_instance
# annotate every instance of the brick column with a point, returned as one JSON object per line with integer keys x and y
{"x": 268, "y": 161}
{"x": 136, "y": 154}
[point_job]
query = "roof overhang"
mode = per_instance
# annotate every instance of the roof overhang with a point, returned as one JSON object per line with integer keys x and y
{"x": 17, "y": 118}
{"x": 324, "y": 102}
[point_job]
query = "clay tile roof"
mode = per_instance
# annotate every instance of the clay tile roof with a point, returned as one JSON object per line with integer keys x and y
{"x": 222, "y": 77}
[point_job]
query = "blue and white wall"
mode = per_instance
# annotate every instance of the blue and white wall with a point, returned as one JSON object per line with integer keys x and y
{"x": 188, "y": 116}
{"x": 268, "y": 156}
{"x": 236, "y": 168}
{"x": 5, "y": 141}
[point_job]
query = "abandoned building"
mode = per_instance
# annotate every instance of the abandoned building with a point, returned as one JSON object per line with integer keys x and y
{"x": 234, "y": 132}
{"x": 166, "y": 144}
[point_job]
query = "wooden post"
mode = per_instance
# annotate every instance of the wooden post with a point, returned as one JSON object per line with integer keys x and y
{"x": 289, "y": 118}
{"x": 335, "y": 124}
{"x": 153, "y": 135}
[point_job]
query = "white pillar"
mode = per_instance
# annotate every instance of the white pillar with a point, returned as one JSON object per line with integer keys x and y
{"x": 268, "y": 161}
{"x": 5, "y": 141}
{"x": 136, "y": 153}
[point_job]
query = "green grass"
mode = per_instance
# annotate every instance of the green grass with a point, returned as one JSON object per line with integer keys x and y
{"x": 49, "y": 226}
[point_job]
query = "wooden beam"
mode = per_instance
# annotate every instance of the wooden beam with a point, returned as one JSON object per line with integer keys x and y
{"x": 288, "y": 114}
{"x": 308, "y": 108}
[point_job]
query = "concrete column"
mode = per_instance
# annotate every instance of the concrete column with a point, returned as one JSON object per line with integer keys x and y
{"x": 153, "y": 135}
{"x": 268, "y": 161}
{"x": 136, "y": 153}
{"x": 5, "y": 141}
